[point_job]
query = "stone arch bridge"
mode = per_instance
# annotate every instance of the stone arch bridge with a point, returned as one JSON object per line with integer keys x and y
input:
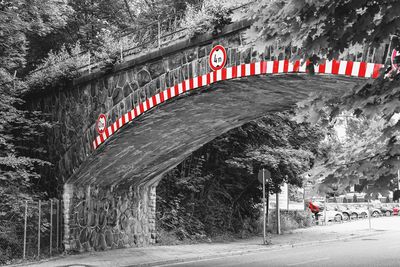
{"x": 160, "y": 107}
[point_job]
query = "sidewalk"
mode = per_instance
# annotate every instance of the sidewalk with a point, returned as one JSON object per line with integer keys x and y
{"x": 157, "y": 255}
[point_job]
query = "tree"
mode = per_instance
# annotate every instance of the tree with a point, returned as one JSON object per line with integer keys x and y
{"x": 370, "y": 148}
{"x": 329, "y": 26}
{"x": 216, "y": 189}
{"x": 19, "y": 165}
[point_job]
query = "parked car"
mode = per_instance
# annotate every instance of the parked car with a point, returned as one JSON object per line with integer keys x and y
{"x": 386, "y": 209}
{"x": 331, "y": 215}
{"x": 353, "y": 212}
{"x": 362, "y": 211}
{"x": 345, "y": 211}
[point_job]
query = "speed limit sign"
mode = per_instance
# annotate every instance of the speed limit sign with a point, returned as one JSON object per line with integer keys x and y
{"x": 101, "y": 123}
{"x": 217, "y": 58}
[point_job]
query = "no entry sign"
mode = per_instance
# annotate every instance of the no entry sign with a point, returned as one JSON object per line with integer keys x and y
{"x": 217, "y": 58}
{"x": 101, "y": 123}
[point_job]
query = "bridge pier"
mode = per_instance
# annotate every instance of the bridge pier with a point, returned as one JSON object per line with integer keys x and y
{"x": 97, "y": 218}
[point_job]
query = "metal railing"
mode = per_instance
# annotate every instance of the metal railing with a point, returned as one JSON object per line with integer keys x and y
{"x": 151, "y": 36}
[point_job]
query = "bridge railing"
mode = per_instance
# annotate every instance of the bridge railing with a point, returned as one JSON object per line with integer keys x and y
{"x": 154, "y": 35}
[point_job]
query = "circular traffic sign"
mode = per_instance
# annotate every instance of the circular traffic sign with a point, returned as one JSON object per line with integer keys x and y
{"x": 217, "y": 58}
{"x": 101, "y": 123}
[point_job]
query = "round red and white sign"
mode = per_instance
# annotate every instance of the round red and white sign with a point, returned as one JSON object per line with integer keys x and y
{"x": 217, "y": 58}
{"x": 395, "y": 63}
{"x": 101, "y": 123}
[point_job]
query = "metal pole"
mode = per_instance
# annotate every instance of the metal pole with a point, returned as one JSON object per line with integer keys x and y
{"x": 51, "y": 225}
{"x": 369, "y": 214}
{"x": 325, "y": 218}
{"x": 390, "y": 46}
{"x": 304, "y": 196}
{"x": 288, "y": 197}
{"x": 39, "y": 215}
{"x": 25, "y": 225}
{"x": 264, "y": 207}
{"x": 267, "y": 193}
{"x": 278, "y": 215}
{"x": 58, "y": 224}
{"x": 398, "y": 179}
{"x": 159, "y": 33}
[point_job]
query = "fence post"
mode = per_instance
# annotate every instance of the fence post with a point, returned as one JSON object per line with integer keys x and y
{"x": 51, "y": 225}
{"x": 25, "y": 224}
{"x": 58, "y": 224}
{"x": 39, "y": 215}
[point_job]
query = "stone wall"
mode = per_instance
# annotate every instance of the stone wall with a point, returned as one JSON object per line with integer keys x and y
{"x": 107, "y": 218}
{"x": 103, "y": 218}
{"x": 74, "y": 108}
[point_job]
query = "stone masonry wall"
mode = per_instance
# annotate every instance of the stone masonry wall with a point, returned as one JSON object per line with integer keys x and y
{"x": 74, "y": 110}
{"x": 105, "y": 218}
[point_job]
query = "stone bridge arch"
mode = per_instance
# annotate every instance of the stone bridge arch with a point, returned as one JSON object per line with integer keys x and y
{"x": 162, "y": 106}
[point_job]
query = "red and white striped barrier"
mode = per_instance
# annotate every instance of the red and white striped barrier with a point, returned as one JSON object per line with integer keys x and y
{"x": 334, "y": 67}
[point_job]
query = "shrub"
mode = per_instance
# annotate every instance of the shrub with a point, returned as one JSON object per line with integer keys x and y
{"x": 290, "y": 220}
{"x": 60, "y": 65}
{"x": 212, "y": 15}
{"x": 67, "y": 63}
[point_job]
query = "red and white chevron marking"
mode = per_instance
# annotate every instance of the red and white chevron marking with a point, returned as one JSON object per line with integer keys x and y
{"x": 334, "y": 67}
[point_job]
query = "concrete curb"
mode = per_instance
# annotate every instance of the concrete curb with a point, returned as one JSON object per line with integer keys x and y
{"x": 217, "y": 255}
{"x": 249, "y": 251}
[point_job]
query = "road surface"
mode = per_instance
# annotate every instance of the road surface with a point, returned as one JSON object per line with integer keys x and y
{"x": 382, "y": 249}
{"x": 342, "y": 244}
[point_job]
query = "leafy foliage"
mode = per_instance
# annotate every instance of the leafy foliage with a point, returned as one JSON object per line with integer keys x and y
{"x": 369, "y": 148}
{"x": 212, "y": 15}
{"x": 216, "y": 190}
{"x": 330, "y": 26}
{"x": 20, "y": 159}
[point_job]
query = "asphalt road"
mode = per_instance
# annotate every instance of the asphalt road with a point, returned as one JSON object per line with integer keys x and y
{"x": 378, "y": 250}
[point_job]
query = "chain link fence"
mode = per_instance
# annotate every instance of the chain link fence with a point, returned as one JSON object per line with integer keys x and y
{"x": 30, "y": 230}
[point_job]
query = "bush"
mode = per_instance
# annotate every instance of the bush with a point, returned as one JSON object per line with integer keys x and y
{"x": 212, "y": 15}
{"x": 290, "y": 220}
{"x": 67, "y": 63}
{"x": 61, "y": 65}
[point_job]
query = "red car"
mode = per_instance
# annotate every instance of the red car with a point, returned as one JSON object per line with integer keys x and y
{"x": 396, "y": 211}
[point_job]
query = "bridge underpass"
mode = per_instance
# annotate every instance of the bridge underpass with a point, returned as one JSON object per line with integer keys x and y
{"x": 109, "y": 180}
{"x": 112, "y": 195}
